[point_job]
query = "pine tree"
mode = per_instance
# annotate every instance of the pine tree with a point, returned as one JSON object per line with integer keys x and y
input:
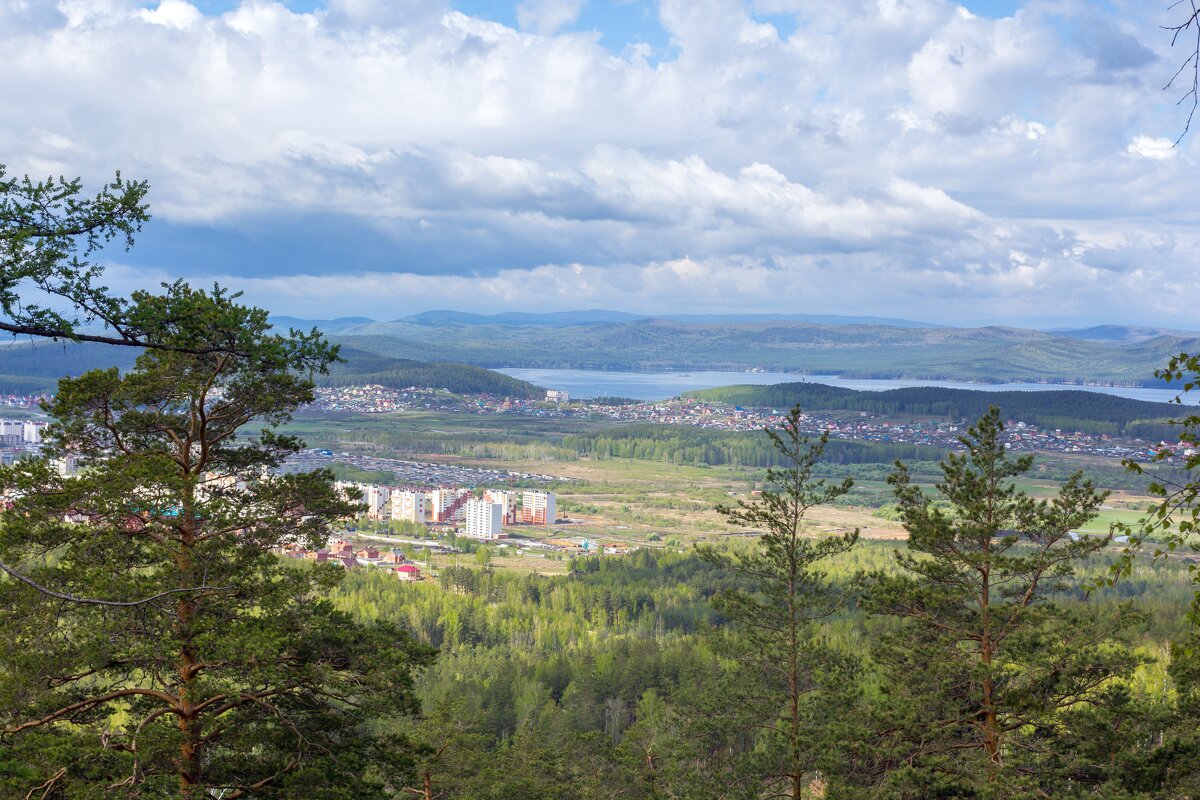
{"x": 155, "y": 646}
{"x": 990, "y": 660}
{"x": 788, "y": 674}
{"x": 49, "y": 231}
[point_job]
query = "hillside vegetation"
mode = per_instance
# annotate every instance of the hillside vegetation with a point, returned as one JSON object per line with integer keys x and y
{"x": 1089, "y": 412}
{"x": 36, "y": 366}
{"x": 993, "y": 354}
{"x": 364, "y": 367}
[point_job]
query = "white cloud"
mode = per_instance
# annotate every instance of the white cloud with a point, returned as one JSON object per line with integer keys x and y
{"x": 884, "y": 151}
{"x": 172, "y": 13}
{"x": 1152, "y": 147}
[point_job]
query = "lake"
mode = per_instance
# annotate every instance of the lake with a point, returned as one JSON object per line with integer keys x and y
{"x": 585, "y": 383}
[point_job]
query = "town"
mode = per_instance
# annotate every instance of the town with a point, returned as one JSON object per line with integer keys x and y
{"x": 860, "y": 426}
{"x": 445, "y": 521}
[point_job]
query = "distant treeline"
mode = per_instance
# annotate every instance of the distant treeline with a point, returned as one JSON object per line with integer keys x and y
{"x": 20, "y": 384}
{"x": 36, "y": 367}
{"x": 361, "y": 367}
{"x": 1070, "y": 410}
{"x": 677, "y": 444}
{"x": 613, "y": 401}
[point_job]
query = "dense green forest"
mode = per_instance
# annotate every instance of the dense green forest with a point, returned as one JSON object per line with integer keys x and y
{"x": 684, "y": 444}
{"x": 1069, "y": 410}
{"x": 552, "y": 681}
{"x": 666, "y": 674}
{"x": 36, "y": 365}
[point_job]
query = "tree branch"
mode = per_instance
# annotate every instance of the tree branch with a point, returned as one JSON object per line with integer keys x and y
{"x": 91, "y": 601}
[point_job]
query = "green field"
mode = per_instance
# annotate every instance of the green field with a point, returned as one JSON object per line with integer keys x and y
{"x": 637, "y": 501}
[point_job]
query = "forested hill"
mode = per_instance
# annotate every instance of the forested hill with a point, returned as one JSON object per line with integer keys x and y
{"x": 1090, "y": 412}
{"x": 362, "y": 367}
{"x": 36, "y": 366}
{"x": 990, "y": 355}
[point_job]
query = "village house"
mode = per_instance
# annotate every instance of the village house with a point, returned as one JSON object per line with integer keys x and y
{"x": 408, "y": 572}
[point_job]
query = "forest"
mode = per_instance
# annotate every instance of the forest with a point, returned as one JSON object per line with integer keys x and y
{"x": 682, "y": 444}
{"x": 614, "y": 681}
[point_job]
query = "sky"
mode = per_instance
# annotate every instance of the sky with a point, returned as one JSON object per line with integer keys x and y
{"x": 966, "y": 163}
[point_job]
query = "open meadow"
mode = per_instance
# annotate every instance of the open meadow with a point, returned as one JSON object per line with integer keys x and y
{"x": 646, "y": 502}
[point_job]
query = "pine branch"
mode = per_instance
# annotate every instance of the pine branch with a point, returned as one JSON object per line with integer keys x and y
{"x": 91, "y": 601}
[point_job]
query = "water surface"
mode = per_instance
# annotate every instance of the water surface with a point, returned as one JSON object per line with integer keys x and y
{"x": 587, "y": 383}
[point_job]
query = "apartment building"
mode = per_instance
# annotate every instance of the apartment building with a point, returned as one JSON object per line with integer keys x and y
{"x": 446, "y": 505}
{"x": 485, "y": 519}
{"x": 506, "y": 499}
{"x": 409, "y": 506}
{"x": 538, "y": 508}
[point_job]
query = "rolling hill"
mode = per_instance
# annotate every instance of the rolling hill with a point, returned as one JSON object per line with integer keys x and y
{"x": 987, "y": 355}
{"x": 1071, "y": 410}
{"x": 35, "y": 366}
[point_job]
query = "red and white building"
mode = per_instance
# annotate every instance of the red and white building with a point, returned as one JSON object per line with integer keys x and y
{"x": 538, "y": 508}
{"x": 506, "y": 499}
{"x": 408, "y": 572}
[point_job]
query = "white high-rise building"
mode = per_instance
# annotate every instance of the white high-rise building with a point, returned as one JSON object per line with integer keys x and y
{"x": 67, "y": 466}
{"x": 31, "y": 432}
{"x": 538, "y": 508}
{"x": 374, "y": 499}
{"x": 506, "y": 499}
{"x": 11, "y": 432}
{"x": 408, "y": 506}
{"x": 485, "y": 519}
{"x": 377, "y": 500}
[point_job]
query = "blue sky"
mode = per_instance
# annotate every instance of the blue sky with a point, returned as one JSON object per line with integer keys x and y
{"x": 990, "y": 161}
{"x": 619, "y": 22}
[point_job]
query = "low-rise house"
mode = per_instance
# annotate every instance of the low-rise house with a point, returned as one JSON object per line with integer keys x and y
{"x": 408, "y": 572}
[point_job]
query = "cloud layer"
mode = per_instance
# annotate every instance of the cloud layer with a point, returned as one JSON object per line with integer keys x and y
{"x": 899, "y": 157}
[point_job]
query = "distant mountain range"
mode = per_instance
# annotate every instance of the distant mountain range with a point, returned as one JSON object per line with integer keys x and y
{"x": 1122, "y": 333}
{"x": 460, "y": 348}
{"x": 568, "y": 319}
{"x": 596, "y": 316}
{"x": 325, "y": 325}
{"x": 1119, "y": 355}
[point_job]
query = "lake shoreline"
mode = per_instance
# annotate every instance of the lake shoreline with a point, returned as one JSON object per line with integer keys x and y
{"x": 648, "y": 386}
